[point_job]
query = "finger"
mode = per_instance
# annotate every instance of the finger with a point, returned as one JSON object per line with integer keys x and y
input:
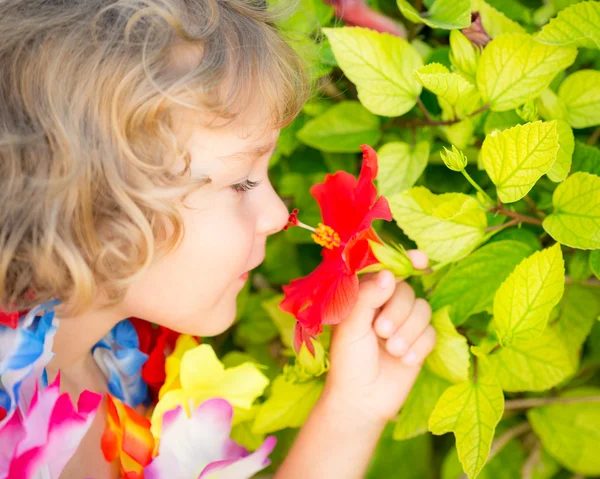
{"x": 421, "y": 348}
{"x": 401, "y": 341}
{"x": 419, "y": 258}
{"x": 372, "y": 295}
{"x": 395, "y": 311}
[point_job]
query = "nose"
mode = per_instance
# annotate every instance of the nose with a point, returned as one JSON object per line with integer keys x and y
{"x": 272, "y": 213}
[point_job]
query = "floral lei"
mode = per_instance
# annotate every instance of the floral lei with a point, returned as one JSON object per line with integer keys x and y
{"x": 185, "y": 434}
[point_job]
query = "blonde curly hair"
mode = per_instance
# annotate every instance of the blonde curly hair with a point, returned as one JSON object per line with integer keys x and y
{"x": 87, "y": 190}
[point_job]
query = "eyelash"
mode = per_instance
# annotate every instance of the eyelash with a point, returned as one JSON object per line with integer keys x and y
{"x": 245, "y": 186}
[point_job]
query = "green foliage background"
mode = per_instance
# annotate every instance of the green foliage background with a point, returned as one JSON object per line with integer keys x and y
{"x": 514, "y": 243}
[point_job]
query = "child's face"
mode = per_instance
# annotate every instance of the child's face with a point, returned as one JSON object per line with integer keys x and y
{"x": 193, "y": 289}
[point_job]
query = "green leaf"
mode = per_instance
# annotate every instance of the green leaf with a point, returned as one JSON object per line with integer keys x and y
{"x": 470, "y": 286}
{"x": 309, "y": 16}
{"x": 578, "y": 26}
{"x": 571, "y": 432}
{"x": 575, "y": 316}
{"x": 344, "y": 127}
{"x": 463, "y": 55}
{"x": 471, "y": 411}
{"x": 380, "y": 65}
{"x": 447, "y": 227}
{"x": 414, "y": 454}
{"x": 400, "y": 166}
{"x": 284, "y": 322}
{"x": 595, "y": 263}
{"x": 550, "y": 107}
{"x": 506, "y": 464}
{"x": 534, "y": 365}
{"x": 523, "y": 303}
{"x": 516, "y": 158}
{"x": 288, "y": 406}
{"x": 515, "y": 68}
{"x": 580, "y": 93}
{"x": 566, "y": 145}
{"x": 457, "y": 96}
{"x": 450, "y": 356}
{"x": 447, "y": 14}
{"x": 575, "y": 221}
{"x": 494, "y": 22}
{"x": 501, "y": 120}
{"x": 414, "y": 415}
{"x": 586, "y": 158}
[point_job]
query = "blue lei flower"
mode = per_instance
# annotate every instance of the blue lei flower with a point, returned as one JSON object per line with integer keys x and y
{"x": 121, "y": 361}
{"x": 24, "y": 354}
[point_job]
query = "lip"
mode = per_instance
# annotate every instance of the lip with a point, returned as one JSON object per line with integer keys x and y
{"x": 245, "y": 276}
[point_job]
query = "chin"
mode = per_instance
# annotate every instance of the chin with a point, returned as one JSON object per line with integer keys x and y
{"x": 213, "y": 323}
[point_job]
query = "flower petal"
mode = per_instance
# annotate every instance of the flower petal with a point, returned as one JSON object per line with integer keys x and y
{"x": 189, "y": 444}
{"x": 244, "y": 468}
{"x": 53, "y": 430}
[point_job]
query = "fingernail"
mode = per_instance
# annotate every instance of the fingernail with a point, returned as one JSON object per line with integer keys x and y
{"x": 384, "y": 280}
{"x": 397, "y": 346}
{"x": 411, "y": 359}
{"x": 385, "y": 327}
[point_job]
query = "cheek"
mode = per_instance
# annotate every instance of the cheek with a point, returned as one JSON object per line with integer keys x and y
{"x": 193, "y": 289}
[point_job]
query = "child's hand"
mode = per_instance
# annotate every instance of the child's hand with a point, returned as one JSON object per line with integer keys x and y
{"x": 376, "y": 353}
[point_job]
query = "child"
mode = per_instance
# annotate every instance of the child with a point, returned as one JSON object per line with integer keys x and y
{"x": 135, "y": 139}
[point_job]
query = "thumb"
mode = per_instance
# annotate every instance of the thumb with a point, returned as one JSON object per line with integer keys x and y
{"x": 373, "y": 293}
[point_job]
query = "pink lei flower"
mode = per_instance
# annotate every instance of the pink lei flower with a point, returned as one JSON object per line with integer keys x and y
{"x": 41, "y": 442}
{"x": 199, "y": 446}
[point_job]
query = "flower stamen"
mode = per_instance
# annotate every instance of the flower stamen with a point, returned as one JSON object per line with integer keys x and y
{"x": 326, "y": 236}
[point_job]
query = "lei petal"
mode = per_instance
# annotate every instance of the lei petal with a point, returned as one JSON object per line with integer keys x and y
{"x": 50, "y": 432}
{"x": 24, "y": 353}
{"x": 121, "y": 361}
{"x": 200, "y": 444}
{"x": 127, "y": 437}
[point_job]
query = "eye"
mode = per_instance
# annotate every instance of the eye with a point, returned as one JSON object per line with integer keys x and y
{"x": 245, "y": 186}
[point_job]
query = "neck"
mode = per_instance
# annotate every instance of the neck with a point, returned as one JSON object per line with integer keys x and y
{"x": 75, "y": 337}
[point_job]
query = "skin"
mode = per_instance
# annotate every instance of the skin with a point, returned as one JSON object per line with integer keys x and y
{"x": 376, "y": 352}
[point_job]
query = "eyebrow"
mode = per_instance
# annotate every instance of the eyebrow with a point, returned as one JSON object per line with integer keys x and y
{"x": 251, "y": 153}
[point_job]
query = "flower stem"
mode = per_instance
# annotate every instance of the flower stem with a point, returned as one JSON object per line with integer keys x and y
{"x": 476, "y": 186}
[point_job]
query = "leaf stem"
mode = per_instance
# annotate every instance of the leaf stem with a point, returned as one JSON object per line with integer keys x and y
{"x": 535, "y": 402}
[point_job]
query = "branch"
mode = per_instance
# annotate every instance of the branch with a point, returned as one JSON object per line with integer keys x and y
{"x": 508, "y": 224}
{"x": 504, "y": 439}
{"x": 532, "y": 460}
{"x": 424, "y": 110}
{"x": 535, "y": 402}
{"x": 512, "y": 214}
{"x": 594, "y": 137}
{"x": 409, "y": 123}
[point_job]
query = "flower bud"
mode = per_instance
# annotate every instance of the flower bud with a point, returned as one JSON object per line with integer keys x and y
{"x": 455, "y": 159}
{"x": 392, "y": 257}
{"x": 308, "y": 366}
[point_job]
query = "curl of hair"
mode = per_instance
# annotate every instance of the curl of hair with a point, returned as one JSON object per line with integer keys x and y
{"x": 88, "y": 195}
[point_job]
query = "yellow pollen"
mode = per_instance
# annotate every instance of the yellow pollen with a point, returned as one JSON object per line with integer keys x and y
{"x": 326, "y": 236}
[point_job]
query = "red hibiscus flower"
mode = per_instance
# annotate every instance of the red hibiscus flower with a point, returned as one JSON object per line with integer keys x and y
{"x": 348, "y": 207}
